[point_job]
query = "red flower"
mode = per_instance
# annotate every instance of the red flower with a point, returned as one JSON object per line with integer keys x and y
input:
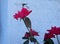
{"x": 54, "y": 30}
{"x": 33, "y": 33}
{"x": 21, "y": 14}
{"x": 48, "y": 35}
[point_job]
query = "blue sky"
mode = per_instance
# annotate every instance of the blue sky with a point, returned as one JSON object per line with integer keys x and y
{"x": 45, "y": 13}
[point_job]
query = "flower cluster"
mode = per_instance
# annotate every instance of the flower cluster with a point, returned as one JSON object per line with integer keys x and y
{"x": 28, "y": 35}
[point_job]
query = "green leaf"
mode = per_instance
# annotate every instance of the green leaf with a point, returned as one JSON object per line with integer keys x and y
{"x": 32, "y": 39}
{"x": 26, "y": 42}
{"x": 25, "y": 38}
{"x": 48, "y": 41}
{"x": 27, "y": 22}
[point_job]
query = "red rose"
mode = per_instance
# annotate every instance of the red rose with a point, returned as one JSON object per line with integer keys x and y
{"x": 32, "y": 33}
{"x": 21, "y": 14}
{"x": 48, "y": 35}
{"x": 54, "y": 30}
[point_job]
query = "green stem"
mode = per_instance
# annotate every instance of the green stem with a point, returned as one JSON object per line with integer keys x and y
{"x": 57, "y": 39}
